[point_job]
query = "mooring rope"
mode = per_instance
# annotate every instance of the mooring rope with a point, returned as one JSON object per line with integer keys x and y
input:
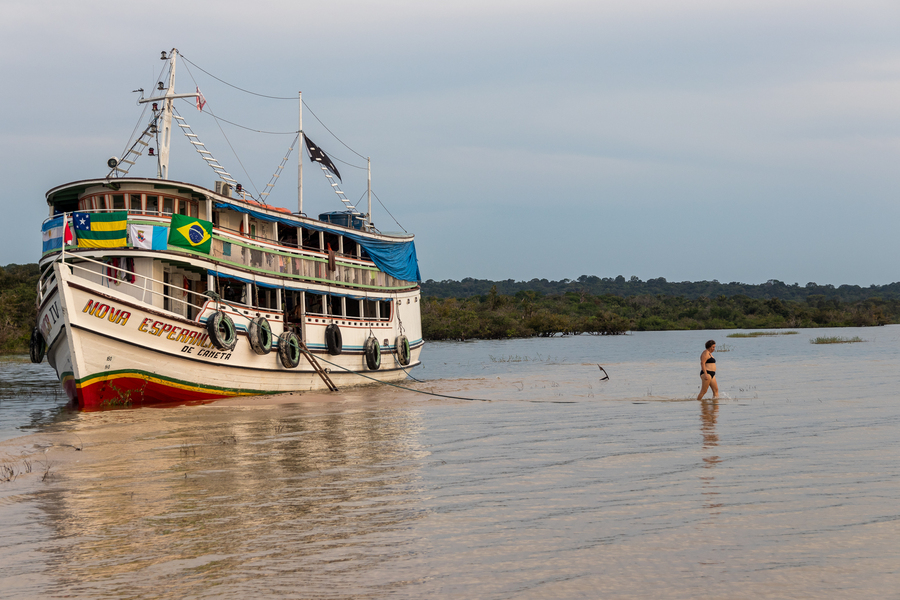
{"x": 408, "y": 389}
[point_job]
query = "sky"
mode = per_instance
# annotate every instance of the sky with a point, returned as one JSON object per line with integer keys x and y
{"x": 691, "y": 140}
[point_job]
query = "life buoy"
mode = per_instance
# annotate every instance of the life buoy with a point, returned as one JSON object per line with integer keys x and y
{"x": 289, "y": 349}
{"x": 333, "y": 339}
{"x": 221, "y": 331}
{"x": 38, "y": 347}
{"x": 372, "y": 351}
{"x": 260, "y": 335}
{"x": 403, "y": 352}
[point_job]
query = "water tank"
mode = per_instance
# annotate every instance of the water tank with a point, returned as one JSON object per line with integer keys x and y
{"x": 343, "y": 218}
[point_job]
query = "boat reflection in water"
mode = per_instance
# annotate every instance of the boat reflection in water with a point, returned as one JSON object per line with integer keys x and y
{"x": 193, "y": 495}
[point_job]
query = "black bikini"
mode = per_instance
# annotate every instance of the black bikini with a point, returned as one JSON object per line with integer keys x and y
{"x": 710, "y": 373}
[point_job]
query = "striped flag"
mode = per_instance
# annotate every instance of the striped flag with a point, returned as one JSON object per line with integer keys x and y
{"x": 101, "y": 230}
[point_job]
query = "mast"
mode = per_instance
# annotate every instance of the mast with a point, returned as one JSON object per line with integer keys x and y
{"x": 162, "y": 169}
{"x": 300, "y": 157}
{"x": 369, "y": 189}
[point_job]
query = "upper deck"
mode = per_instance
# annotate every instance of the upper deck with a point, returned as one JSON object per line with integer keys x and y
{"x": 270, "y": 242}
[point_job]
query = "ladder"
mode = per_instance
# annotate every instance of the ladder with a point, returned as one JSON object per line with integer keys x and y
{"x": 132, "y": 154}
{"x": 338, "y": 191}
{"x": 202, "y": 151}
{"x": 317, "y": 367}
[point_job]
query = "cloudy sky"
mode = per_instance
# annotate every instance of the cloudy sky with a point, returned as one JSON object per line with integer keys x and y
{"x": 691, "y": 140}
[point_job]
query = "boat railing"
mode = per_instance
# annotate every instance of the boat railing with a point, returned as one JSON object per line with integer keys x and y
{"x": 234, "y": 249}
{"x": 117, "y": 274}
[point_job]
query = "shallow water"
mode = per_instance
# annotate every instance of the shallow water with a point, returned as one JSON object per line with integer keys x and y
{"x": 560, "y": 485}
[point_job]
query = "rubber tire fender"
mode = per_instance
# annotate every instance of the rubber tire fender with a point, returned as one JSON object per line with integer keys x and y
{"x": 402, "y": 348}
{"x": 333, "y": 339}
{"x": 372, "y": 350}
{"x": 221, "y": 331}
{"x": 289, "y": 349}
{"x": 260, "y": 335}
{"x": 37, "y": 347}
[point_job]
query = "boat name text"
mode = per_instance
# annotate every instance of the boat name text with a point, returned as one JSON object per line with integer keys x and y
{"x": 183, "y": 335}
{"x": 119, "y": 317}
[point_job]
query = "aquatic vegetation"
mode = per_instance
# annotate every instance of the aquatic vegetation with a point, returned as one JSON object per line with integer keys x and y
{"x": 753, "y": 334}
{"x": 834, "y": 339}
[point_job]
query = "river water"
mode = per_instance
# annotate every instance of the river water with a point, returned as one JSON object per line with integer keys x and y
{"x": 545, "y": 482}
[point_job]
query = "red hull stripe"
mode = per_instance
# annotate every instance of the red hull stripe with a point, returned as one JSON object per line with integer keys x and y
{"x": 138, "y": 388}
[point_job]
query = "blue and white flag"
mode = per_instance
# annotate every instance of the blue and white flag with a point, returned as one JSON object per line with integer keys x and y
{"x": 148, "y": 236}
{"x": 52, "y": 234}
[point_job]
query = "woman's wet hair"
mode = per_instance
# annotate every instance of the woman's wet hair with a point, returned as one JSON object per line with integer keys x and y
{"x": 710, "y": 344}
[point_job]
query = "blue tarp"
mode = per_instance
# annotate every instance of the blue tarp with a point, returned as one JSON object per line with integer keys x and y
{"x": 397, "y": 259}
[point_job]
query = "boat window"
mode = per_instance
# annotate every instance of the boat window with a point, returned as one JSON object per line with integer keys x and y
{"x": 332, "y": 240}
{"x": 168, "y": 206}
{"x": 232, "y": 290}
{"x": 363, "y": 254}
{"x": 287, "y": 236}
{"x": 335, "y": 306}
{"x": 310, "y": 239}
{"x": 370, "y": 309}
{"x": 226, "y": 248}
{"x": 135, "y": 202}
{"x": 314, "y": 303}
{"x": 352, "y": 307}
{"x": 292, "y": 306}
{"x": 384, "y": 310}
{"x": 118, "y": 202}
{"x": 351, "y": 248}
{"x": 152, "y": 204}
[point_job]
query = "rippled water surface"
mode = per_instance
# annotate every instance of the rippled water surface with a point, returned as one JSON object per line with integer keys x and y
{"x": 546, "y": 483}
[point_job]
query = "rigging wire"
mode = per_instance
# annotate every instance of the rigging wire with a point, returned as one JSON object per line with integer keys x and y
{"x": 312, "y": 112}
{"x": 234, "y": 86}
{"x": 331, "y": 132}
{"x": 389, "y": 212}
{"x": 186, "y": 59}
{"x": 233, "y": 151}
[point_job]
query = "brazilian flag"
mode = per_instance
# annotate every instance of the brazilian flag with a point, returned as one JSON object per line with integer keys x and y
{"x": 191, "y": 233}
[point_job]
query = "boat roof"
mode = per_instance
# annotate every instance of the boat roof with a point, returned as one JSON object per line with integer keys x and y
{"x": 70, "y": 192}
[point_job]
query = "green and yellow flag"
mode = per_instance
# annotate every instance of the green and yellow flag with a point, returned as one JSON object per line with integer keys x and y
{"x": 101, "y": 230}
{"x": 191, "y": 233}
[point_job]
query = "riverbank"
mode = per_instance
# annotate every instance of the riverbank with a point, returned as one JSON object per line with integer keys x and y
{"x": 530, "y": 313}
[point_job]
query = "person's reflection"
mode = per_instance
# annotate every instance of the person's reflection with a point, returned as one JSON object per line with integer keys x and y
{"x": 709, "y": 410}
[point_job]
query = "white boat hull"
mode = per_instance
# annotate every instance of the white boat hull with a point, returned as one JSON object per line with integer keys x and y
{"x": 110, "y": 349}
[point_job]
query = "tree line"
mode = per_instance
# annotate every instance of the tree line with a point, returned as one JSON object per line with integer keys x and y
{"x": 619, "y": 286}
{"x": 529, "y": 313}
{"x": 481, "y": 309}
{"x": 18, "y": 313}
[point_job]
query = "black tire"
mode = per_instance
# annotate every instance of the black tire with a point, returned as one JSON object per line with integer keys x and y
{"x": 289, "y": 349}
{"x": 37, "y": 347}
{"x": 372, "y": 350}
{"x": 260, "y": 335}
{"x": 221, "y": 331}
{"x": 402, "y": 348}
{"x": 333, "y": 339}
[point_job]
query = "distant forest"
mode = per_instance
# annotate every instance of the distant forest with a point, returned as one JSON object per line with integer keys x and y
{"x": 619, "y": 286}
{"x": 482, "y": 309}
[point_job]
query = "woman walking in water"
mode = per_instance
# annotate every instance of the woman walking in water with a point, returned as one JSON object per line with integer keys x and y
{"x": 708, "y": 371}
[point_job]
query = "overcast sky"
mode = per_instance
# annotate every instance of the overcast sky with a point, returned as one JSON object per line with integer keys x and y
{"x": 696, "y": 140}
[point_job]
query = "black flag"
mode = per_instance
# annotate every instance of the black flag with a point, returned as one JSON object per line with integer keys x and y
{"x": 316, "y": 155}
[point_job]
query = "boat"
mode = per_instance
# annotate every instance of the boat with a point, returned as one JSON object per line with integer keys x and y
{"x": 154, "y": 291}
